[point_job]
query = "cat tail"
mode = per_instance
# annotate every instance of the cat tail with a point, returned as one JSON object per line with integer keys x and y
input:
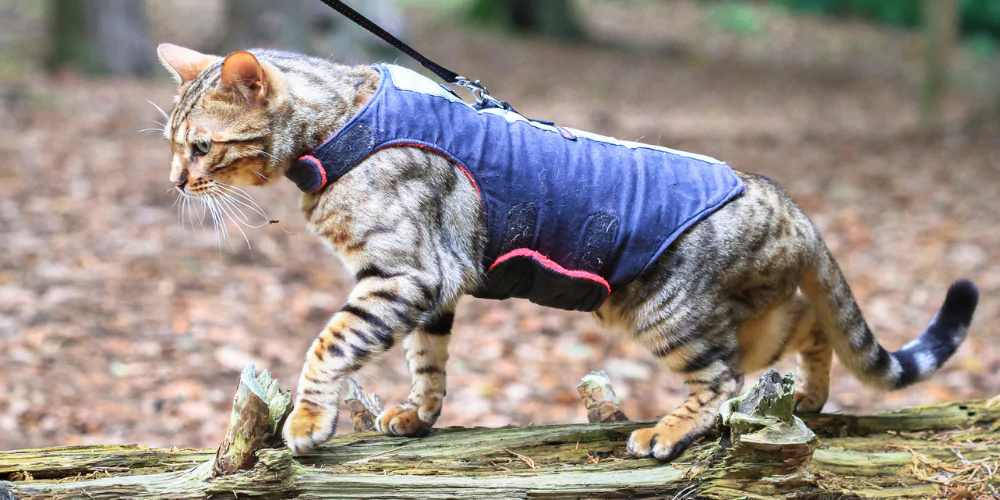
{"x": 846, "y": 330}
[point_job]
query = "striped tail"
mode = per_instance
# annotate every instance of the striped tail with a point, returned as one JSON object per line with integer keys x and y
{"x": 856, "y": 346}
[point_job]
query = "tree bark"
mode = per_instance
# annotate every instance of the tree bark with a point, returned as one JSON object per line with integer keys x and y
{"x": 759, "y": 450}
{"x": 101, "y": 37}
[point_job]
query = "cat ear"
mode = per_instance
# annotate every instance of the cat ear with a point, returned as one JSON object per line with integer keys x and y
{"x": 243, "y": 75}
{"x": 184, "y": 64}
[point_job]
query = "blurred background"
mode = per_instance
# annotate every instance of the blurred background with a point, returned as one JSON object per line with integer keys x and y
{"x": 117, "y": 324}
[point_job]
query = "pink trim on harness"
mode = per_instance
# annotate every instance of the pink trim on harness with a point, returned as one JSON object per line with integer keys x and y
{"x": 551, "y": 265}
{"x": 319, "y": 166}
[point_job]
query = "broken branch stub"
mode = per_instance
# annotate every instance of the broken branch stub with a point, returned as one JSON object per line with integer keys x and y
{"x": 260, "y": 408}
{"x": 603, "y": 405}
{"x": 364, "y": 408}
{"x": 761, "y": 433}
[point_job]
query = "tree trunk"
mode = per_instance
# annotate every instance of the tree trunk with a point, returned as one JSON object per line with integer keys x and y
{"x": 941, "y": 20}
{"x": 265, "y": 23}
{"x": 309, "y": 27}
{"x": 758, "y": 450}
{"x": 100, "y": 37}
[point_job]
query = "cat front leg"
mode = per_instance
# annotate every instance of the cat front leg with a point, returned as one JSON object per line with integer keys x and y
{"x": 381, "y": 310}
{"x": 706, "y": 354}
{"x": 427, "y": 357}
{"x": 709, "y": 388}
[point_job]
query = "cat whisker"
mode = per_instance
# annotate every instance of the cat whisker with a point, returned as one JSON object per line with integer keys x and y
{"x": 190, "y": 213}
{"x": 228, "y": 213}
{"x": 243, "y": 198}
{"x": 191, "y": 218}
{"x": 234, "y": 205}
{"x": 215, "y": 224}
{"x": 265, "y": 153}
{"x": 164, "y": 113}
{"x": 160, "y": 130}
{"x": 187, "y": 213}
{"x": 252, "y": 206}
{"x": 181, "y": 203}
{"x": 223, "y": 225}
{"x": 223, "y": 229}
{"x": 184, "y": 200}
{"x": 226, "y": 199}
{"x": 223, "y": 204}
{"x": 204, "y": 212}
{"x": 180, "y": 210}
{"x": 262, "y": 176}
{"x": 222, "y": 222}
{"x": 236, "y": 191}
{"x": 186, "y": 210}
{"x": 245, "y": 220}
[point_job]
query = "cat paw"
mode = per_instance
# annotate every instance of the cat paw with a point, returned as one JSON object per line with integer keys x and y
{"x": 656, "y": 442}
{"x": 401, "y": 421}
{"x": 307, "y": 427}
{"x": 808, "y": 403}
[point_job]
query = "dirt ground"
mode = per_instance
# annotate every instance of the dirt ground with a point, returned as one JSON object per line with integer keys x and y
{"x": 119, "y": 325}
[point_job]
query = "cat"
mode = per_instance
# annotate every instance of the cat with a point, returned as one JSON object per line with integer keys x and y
{"x": 742, "y": 286}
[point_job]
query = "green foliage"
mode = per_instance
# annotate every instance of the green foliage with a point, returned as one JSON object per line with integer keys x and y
{"x": 486, "y": 12}
{"x": 978, "y": 16}
{"x": 981, "y": 16}
{"x": 552, "y": 18}
{"x": 447, "y": 4}
{"x": 737, "y": 17}
{"x": 983, "y": 47}
{"x": 893, "y": 12}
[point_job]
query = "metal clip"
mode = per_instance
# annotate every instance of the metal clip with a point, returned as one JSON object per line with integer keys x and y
{"x": 481, "y": 94}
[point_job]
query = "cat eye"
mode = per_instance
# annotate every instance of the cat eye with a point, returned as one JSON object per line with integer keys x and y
{"x": 200, "y": 148}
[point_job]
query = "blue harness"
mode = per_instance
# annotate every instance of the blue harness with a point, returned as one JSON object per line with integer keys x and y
{"x": 570, "y": 215}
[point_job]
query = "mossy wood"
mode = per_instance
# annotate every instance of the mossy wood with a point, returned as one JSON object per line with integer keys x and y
{"x": 758, "y": 451}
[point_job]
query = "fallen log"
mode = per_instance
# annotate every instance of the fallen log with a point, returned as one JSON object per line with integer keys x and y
{"x": 759, "y": 450}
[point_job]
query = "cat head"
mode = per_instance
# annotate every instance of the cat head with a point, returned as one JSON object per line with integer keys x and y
{"x": 226, "y": 129}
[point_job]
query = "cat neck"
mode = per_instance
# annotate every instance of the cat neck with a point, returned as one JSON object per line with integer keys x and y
{"x": 323, "y": 110}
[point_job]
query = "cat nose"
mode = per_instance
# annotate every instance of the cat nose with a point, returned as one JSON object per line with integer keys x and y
{"x": 181, "y": 180}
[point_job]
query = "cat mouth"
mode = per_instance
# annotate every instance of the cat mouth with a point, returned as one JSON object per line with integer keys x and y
{"x": 224, "y": 205}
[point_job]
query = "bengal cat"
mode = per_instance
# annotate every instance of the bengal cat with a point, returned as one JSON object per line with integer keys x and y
{"x": 747, "y": 284}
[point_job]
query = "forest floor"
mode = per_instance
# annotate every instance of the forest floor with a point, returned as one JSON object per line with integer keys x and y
{"x": 119, "y": 325}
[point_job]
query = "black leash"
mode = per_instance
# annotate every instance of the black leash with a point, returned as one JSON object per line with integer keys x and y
{"x": 482, "y": 96}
